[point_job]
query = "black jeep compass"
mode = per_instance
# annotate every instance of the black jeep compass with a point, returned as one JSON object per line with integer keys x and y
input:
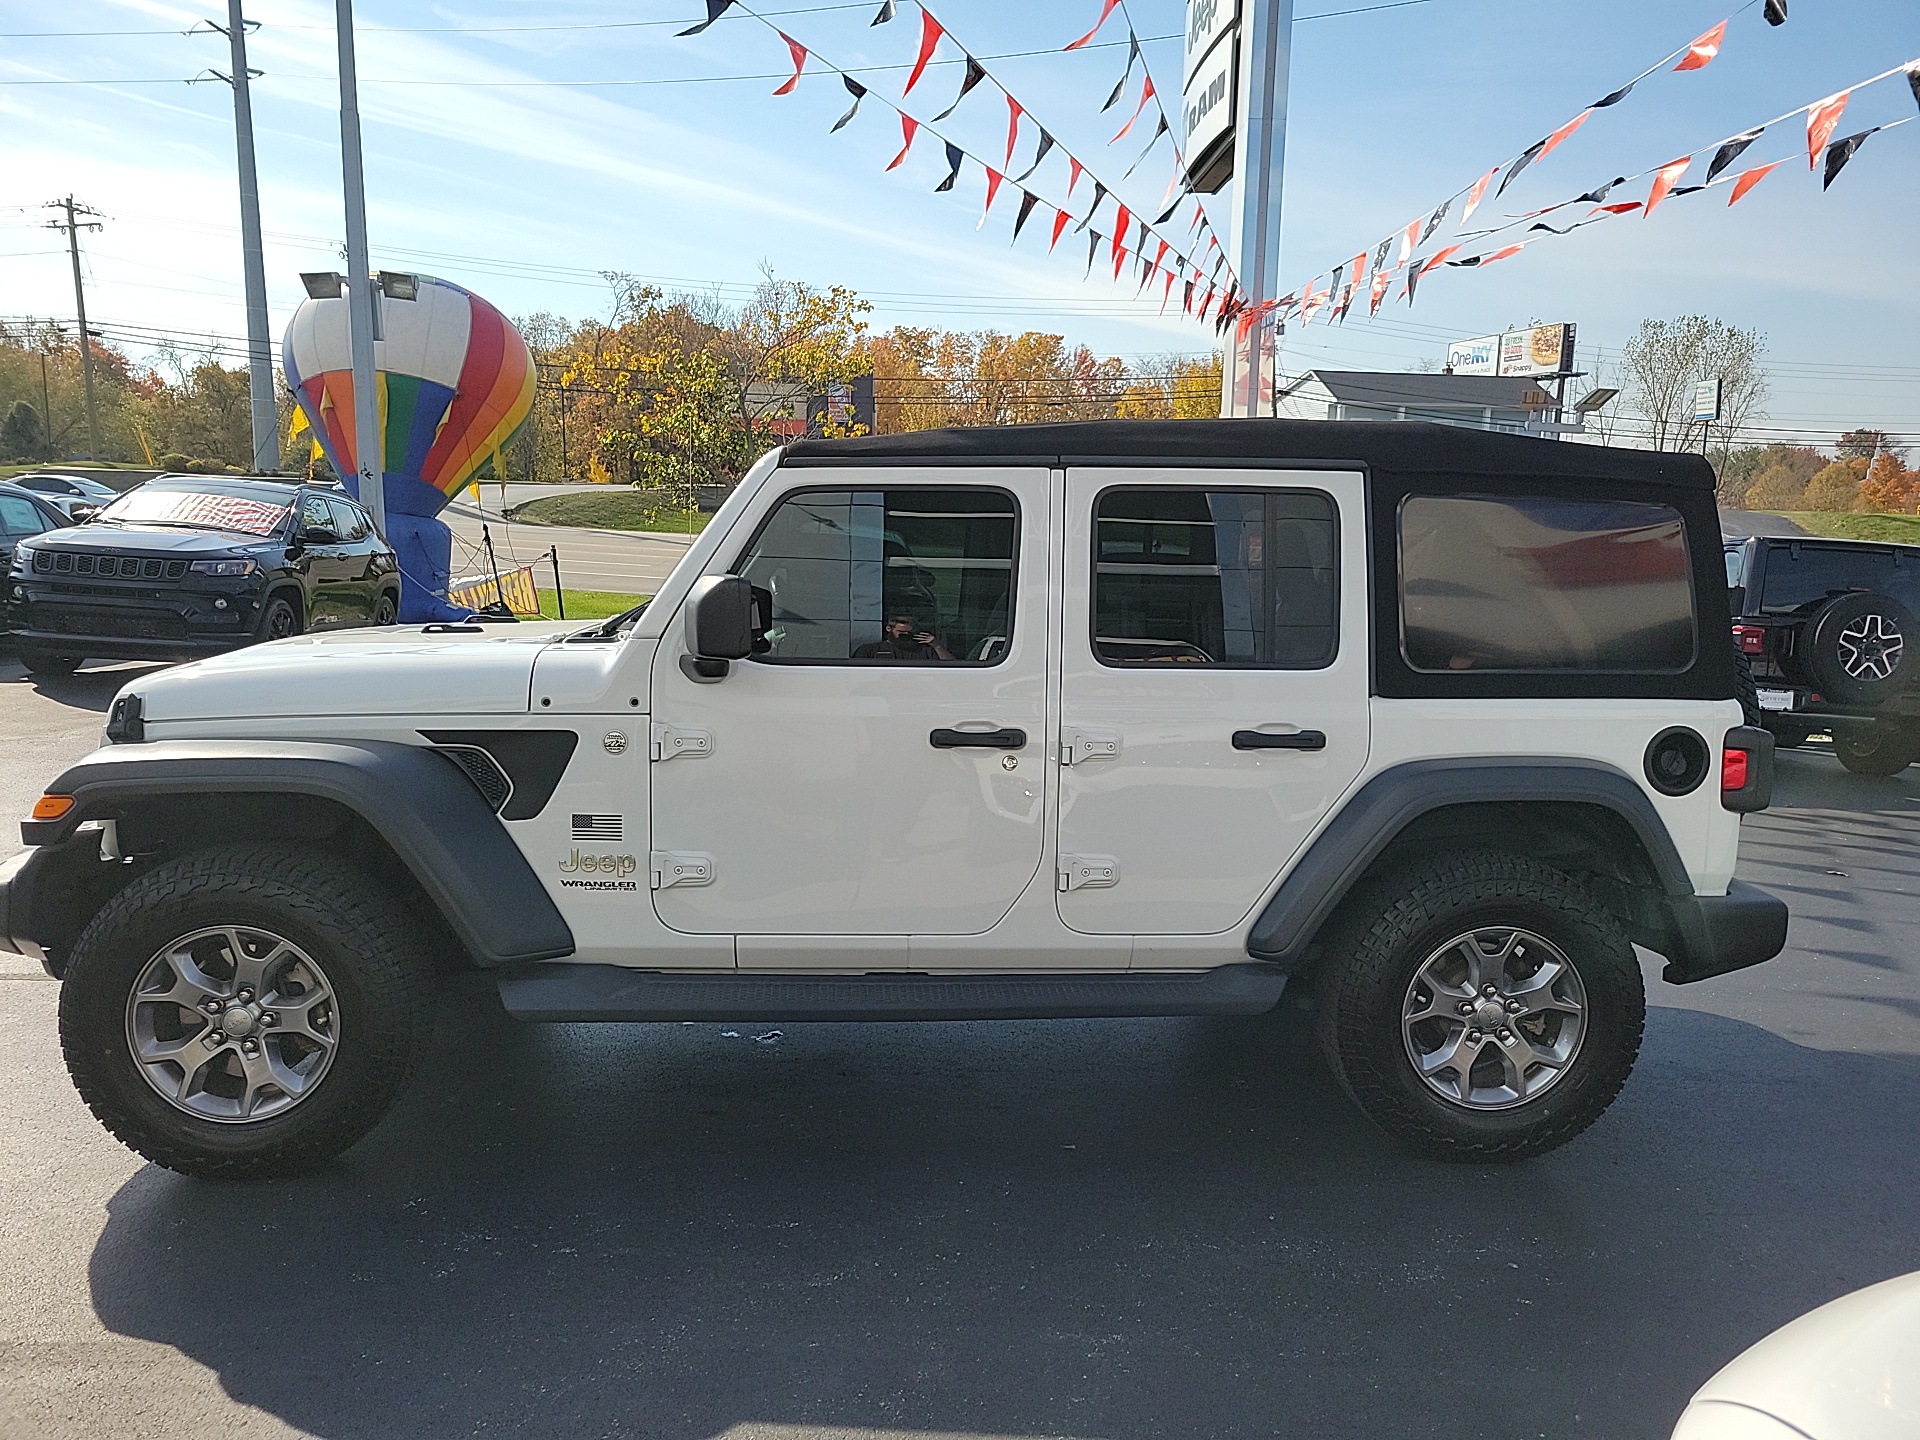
{"x": 189, "y": 565}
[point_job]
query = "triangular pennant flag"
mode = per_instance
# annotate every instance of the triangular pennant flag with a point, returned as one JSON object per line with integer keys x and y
{"x": 1434, "y": 223}
{"x": 715, "y": 9}
{"x": 1503, "y": 254}
{"x": 1159, "y": 130}
{"x": 1121, "y": 224}
{"x": 1840, "y": 152}
{"x": 1099, "y": 194}
{"x": 1013, "y": 129}
{"x": 954, "y": 156}
{"x": 1438, "y": 257}
{"x": 859, "y": 93}
{"x": 1146, "y": 94}
{"x": 930, "y": 33}
{"x": 887, "y": 12}
{"x": 799, "y": 63}
{"x": 1552, "y": 142}
{"x": 1730, "y": 152}
{"x": 1359, "y": 268}
{"x": 1776, "y": 12}
{"x": 1409, "y": 240}
{"x": 1093, "y": 245}
{"x": 1039, "y": 154}
{"x": 1615, "y": 98}
{"x": 1119, "y": 88}
{"x": 1206, "y": 302}
{"x": 1060, "y": 219}
{"x": 1664, "y": 180}
{"x": 1913, "y": 80}
{"x": 1413, "y": 281}
{"x": 994, "y": 177}
{"x": 1027, "y": 201}
{"x": 1166, "y": 295}
{"x": 1186, "y": 299}
{"x": 1107, "y": 7}
{"x": 1701, "y": 52}
{"x": 1160, "y": 254}
{"x": 1074, "y": 171}
{"x": 1381, "y": 280}
{"x": 1167, "y": 214}
{"x": 1477, "y": 194}
{"x": 909, "y": 127}
{"x": 1822, "y": 118}
{"x": 1747, "y": 179}
{"x": 975, "y": 74}
{"x": 1527, "y": 157}
{"x": 1140, "y": 244}
{"x": 1199, "y": 214}
{"x": 1625, "y": 209}
{"x": 1380, "y": 254}
{"x": 1594, "y": 197}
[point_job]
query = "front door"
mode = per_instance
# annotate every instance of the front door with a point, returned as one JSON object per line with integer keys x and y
{"x": 1213, "y": 690}
{"x": 879, "y": 772}
{"x": 323, "y": 560}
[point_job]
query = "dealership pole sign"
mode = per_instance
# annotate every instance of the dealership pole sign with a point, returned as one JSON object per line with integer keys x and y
{"x": 1210, "y": 92}
{"x": 1537, "y": 350}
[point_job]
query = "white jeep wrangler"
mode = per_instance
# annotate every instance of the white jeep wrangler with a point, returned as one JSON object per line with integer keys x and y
{"x": 1039, "y": 722}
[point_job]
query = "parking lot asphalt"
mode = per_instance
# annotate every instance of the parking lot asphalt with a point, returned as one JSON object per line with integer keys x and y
{"x": 1121, "y": 1229}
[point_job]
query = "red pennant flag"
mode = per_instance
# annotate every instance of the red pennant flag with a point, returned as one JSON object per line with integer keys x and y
{"x": 1013, "y": 128}
{"x": 1821, "y": 120}
{"x": 930, "y": 33}
{"x": 1359, "y": 269}
{"x": 994, "y": 177}
{"x": 1122, "y": 223}
{"x": 1437, "y": 258}
{"x": 909, "y": 127}
{"x": 1474, "y": 197}
{"x": 1503, "y": 254}
{"x": 1146, "y": 94}
{"x": 1107, "y": 7}
{"x": 1623, "y": 209}
{"x": 799, "y": 63}
{"x": 1381, "y": 280}
{"x": 1700, "y": 54}
{"x": 1073, "y": 175}
{"x": 1311, "y": 303}
{"x": 1199, "y": 214}
{"x": 1409, "y": 238}
{"x": 1747, "y": 179}
{"x": 1552, "y": 141}
{"x": 1667, "y": 177}
{"x": 1206, "y": 302}
{"x": 1061, "y": 219}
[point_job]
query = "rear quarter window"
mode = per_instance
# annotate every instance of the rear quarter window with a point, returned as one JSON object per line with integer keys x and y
{"x": 1544, "y": 585}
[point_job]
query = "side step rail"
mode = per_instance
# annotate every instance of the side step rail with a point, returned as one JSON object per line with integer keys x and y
{"x": 565, "y": 992}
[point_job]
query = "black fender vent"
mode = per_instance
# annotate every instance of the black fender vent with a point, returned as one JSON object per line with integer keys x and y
{"x": 531, "y": 761}
{"x": 485, "y": 772}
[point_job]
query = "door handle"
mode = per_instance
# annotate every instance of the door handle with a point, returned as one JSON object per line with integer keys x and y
{"x": 1297, "y": 740}
{"x": 1009, "y": 739}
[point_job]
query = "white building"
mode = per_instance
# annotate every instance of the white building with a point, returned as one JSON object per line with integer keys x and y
{"x": 1474, "y": 402}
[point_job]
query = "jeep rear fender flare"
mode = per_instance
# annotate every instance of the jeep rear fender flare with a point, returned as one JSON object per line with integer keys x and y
{"x": 420, "y": 804}
{"x": 1382, "y": 809}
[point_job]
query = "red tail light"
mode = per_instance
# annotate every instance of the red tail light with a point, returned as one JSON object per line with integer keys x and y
{"x": 1733, "y": 771}
{"x": 1752, "y": 639}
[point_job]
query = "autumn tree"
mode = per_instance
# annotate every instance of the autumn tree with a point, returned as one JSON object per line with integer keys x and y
{"x": 1890, "y": 487}
{"x": 1173, "y": 387}
{"x": 1867, "y": 445}
{"x": 1835, "y": 487}
{"x": 22, "y": 436}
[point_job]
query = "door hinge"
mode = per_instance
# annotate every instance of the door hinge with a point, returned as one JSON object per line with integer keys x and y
{"x": 1079, "y": 746}
{"x": 669, "y": 743}
{"x": 680, "y": 867}
{"x": 1088, "y": 872}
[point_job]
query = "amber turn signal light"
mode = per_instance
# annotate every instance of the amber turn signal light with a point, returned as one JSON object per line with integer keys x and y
{"x": 52, "y": 807}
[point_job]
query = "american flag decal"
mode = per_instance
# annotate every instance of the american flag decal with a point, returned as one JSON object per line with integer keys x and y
{"x": 610, "y": 828}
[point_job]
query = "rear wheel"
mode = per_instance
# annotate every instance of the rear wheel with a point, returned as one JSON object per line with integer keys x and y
{"x": 1481, "y": 1006}
{"x": 245, "y": 1011}
{"x": 46, "y": 662}
{"x": 1880, "y": 749}
{"x": 386, "y": 608}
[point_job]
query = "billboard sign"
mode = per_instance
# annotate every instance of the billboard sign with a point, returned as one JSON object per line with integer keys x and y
{"x": 1208, "y": 99}
{"x": 1706, "y": 401}
{"x": 1475, "y": 357}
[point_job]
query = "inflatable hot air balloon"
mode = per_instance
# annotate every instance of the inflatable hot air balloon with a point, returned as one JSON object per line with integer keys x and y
{"x": 456, "y": 382}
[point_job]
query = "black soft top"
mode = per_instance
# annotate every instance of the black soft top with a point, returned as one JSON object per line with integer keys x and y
{"x": 1392, "y": 447}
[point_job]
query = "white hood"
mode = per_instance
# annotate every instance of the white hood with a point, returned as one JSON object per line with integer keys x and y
{"x": 393, "y": 670}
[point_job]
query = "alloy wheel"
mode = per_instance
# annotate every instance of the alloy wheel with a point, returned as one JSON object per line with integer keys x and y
{"x": 1870, "y": 648}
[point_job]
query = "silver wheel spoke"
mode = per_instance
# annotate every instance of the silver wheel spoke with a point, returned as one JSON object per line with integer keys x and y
{"x": 296, "y": 1017}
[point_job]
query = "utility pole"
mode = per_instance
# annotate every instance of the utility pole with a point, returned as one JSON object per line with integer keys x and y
{"x": 1259, "y": 163}
{"x": 73, "y": 227}
{"x": 46, "y": 402}
{"x": 363, "y": 311}
{"x": 266, "y": 419}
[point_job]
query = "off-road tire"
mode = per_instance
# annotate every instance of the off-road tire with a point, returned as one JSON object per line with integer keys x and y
{"x": 47, "y": 662}
{"x": 1881, "y": 750}
{"x": 279, "y": 618}
{"x": 1745, "y": 690}
{"x": 1389, "y": 931}
{"x": 373, "y": 954}
{"x": 1833, "y": 657}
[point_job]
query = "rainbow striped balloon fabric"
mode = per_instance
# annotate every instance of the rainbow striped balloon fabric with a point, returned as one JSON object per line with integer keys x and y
{"x": 455, "y": 378}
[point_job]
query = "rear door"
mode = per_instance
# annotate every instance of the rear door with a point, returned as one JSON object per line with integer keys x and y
{"x": 880, "y": 772}
{"x": 1213, "y": 692}
{"x": 357, "y": 547}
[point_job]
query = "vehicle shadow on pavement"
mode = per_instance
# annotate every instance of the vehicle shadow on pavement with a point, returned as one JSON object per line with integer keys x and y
{"x": 1119, "y": 1228}
{"x": 92, "y": 689}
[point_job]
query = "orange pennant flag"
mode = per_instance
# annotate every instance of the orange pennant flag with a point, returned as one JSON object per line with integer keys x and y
{"x": 1821, "y": 120}
{"x": 1553, "y": 140}
{"x": 1747, "y": 179}
{"x": 1667, "y": 177}
{"x": 799, "y": 63}
{"x": 1475, "y": 195}
{"x": 1107, "y": 8}
{"x": 909, "y": 127}
{"x": 1700, "y": 54}
{"x": 1438, "y": 258}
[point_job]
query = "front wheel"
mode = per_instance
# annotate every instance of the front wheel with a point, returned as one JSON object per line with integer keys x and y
{"x": 46, "y": 662}
{"x": 278, "y": 619}
{"x": 245, "y": 1011}
{"x": 1481, "y": 1006}
{"x": 1880, "y": 749}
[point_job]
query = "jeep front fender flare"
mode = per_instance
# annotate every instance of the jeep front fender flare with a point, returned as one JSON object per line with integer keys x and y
{"x": 1392, "y": 800}
{"x": 426, "y": 810}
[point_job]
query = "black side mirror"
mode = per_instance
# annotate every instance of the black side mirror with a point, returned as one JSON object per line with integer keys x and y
{"x": 724, "y": 624}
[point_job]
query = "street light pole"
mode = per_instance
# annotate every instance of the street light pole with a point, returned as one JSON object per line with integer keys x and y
{"x": 363, "y": 311}
{"x": 1259, "y": 162}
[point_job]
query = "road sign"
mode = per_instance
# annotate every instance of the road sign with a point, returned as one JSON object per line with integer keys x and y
{"x": 1706, "y": 401}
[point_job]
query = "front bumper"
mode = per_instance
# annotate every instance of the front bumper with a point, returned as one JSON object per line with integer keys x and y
{"x": 175, "y": 621}
{"x": 1718, "y": 934}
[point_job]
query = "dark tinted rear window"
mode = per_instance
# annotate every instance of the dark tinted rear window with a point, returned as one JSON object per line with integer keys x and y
{"x": 1804, "y": 577}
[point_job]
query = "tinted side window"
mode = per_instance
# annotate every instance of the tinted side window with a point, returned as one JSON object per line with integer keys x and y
{"x": 350, "y": 522}
{"x": 1804, "y": 577}
{"x": 19, "y": 517}
{"x": 314, "y": 514}
{"x": 1242, "y": 578}
{"x": 1544, "y": 584}
{"x": 916, "y": 577}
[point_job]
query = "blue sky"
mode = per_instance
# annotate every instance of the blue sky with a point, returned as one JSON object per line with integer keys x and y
{"x": 482, "y": 168}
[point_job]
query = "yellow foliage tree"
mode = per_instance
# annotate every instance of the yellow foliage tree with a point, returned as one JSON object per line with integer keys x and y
{"x": 1837, "y": 487}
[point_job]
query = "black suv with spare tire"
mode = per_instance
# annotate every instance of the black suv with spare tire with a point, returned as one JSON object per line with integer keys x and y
{"x": 1829, "y": 630}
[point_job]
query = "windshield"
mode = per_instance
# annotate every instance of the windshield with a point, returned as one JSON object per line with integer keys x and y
{"x": 201, "y": 510}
